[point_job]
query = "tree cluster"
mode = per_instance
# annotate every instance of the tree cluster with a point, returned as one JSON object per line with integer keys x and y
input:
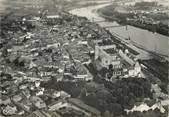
{"x": 115, "y": 97}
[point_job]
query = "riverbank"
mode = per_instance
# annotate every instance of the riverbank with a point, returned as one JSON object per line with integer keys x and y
{"x": 137, "y": 35}
{"x": 155, "y": 65}
{"x": 152, "y": 42}
{"x": 125, "y": 18}
{"x": 82, "y": 4}
{"x": 7, "y": 6}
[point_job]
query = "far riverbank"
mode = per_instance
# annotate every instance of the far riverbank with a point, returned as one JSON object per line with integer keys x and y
{"x": 126, "y": 16}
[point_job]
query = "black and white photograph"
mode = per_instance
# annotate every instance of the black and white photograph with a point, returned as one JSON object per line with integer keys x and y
{"x": 84, "y": 58}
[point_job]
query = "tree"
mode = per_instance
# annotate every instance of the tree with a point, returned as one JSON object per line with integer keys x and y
{"x": 4, "y": 52}
{"x": 116, "y": 109}
{"x": 110, "y": 67}
{"x": 107, "y": 114}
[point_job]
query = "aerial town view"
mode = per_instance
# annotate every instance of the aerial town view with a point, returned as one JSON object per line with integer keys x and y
{"x": 84, "y": 58}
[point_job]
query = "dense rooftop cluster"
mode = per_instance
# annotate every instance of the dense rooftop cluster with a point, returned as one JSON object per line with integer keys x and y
{"x": 47, "y": 69}
{"x": 34, "y": 51}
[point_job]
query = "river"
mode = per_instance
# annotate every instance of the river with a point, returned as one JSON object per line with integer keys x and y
{"x": 153, "y": 42}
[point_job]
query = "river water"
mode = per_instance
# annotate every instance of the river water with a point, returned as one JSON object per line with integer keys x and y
{"x": 150, "y": 41}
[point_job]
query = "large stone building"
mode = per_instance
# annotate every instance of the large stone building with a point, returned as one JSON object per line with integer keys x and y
{"x": 107, "y": 54}
{"x": 108, "y": 57}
